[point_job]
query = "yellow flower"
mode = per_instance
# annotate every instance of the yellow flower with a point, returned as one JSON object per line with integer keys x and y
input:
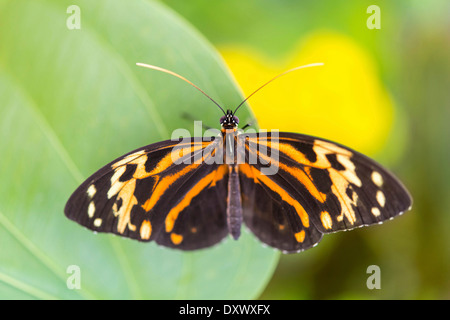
{"x": 343, "y": 101}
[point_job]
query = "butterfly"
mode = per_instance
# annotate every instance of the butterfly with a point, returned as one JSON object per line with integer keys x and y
{"x": 288, "y": 189}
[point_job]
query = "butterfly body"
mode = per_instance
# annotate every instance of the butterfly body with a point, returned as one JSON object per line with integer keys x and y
{"x": 229, "y": 123}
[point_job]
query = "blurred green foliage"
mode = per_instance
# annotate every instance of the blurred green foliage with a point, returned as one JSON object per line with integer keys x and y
{"x": 411, "y": 51}
{"x": 72, "y": 101}
{"x": 80, "y": 86}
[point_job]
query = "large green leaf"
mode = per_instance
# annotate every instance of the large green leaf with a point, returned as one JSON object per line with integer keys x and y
{"x": 73, "y": 100}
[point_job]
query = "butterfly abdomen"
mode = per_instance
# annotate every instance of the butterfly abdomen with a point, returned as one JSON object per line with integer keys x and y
{"x": 234, "y": 203}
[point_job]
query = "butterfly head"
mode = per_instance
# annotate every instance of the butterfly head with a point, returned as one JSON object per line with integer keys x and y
{"x": 229, "y": 120}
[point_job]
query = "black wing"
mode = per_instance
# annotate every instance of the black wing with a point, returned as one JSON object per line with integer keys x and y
{"x": 163, "y": 192}
{"x": 319, "y": 187}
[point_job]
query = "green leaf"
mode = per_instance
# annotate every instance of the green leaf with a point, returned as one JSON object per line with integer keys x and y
{"x": 70, "y": 102}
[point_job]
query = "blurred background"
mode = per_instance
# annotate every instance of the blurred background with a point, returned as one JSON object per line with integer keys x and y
{"x": 71, "y": 100}
{"x": 382, "y": 91}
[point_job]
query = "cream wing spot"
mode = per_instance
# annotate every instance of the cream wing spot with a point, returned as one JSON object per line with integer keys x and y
{"x": 381, "y": 198}
{"x": 377, "y": 179}
{"x": 91, "y": 209}
{"x": 376, "y": 212}
{"x": 349, "y": 172}
{"x": 91, "y": 191}
{"x": 116, "y": 185}
{"x": 327, "y": 222}
{"x": 127, "y": 159}
{"x": 128, "y": 201}
{"x": 339, "y": 188}
{"x": 98, "y": 222}
{"x": 146, "y": 230}
{"x": 331, "y": 148}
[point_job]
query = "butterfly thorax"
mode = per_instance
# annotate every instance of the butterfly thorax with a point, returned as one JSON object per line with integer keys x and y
{"x": 229, "y": 123}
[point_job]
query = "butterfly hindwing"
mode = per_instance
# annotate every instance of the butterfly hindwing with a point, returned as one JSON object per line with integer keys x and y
{"x": 272, "y": 212}
{"x": 197, "y": 215}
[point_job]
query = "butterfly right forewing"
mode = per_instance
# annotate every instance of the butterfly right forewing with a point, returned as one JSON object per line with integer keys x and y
{"x": 319, "y": 187}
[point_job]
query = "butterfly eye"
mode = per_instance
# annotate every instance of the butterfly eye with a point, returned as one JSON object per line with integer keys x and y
{"x": 222, "y": 119}
{"x": 236, "y": 119}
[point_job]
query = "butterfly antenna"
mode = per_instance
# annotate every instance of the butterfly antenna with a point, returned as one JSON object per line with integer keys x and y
{"x": 281, "y": 74}
{"x": 181, "y": 77}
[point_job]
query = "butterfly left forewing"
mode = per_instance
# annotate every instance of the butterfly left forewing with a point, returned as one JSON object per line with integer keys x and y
{"x": 140, "y": 195}
{"x": 105, "y": 201}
